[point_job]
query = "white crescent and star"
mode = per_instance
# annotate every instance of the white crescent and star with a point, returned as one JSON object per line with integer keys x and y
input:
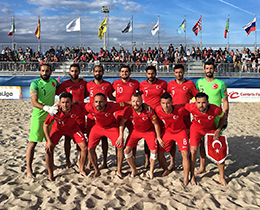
{"x": 216, "y": 142}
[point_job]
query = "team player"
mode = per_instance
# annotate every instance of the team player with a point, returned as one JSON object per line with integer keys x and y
{"x": 151, "y": 90}
{"x": 182, "y": 91}
{"x": 65, "y": 123}
{"x": 98, "y": 85}
{"x": 42, "y": 91}
{"x": 78, "y": 88}
{"x": 105, "y": 125}
{"x": 145, "y": 126}
{"x": 174, "y": 130}
{"x": 204, "y": 115}
{"x": 217, "y": 91}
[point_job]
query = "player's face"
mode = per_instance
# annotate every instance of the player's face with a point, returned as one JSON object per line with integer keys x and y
{"x": 166, "y": 104}
{"x": 151, "y": 75}
{"x": 124, "y": 73}
{"x": 99, "y": 103}
{"x": 202, "y": 104}
{"x": 45, "y": 72}
{"x": 136, "y": 102}
{"x": 98, "y": 73}
{"x": 74, "y": 72}
{"x": 65, "y": 104}
{"x": 179, "y": 73}
{"x": 209, "y": 70}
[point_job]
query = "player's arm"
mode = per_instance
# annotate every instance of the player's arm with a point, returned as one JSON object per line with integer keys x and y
{"x": 111, "y": 97}
{"x": 220, "y": 125}
{"x": 158, "y": 132}
{"x": 46, "y": 131}
{"x": 225, "y": 105}
{"x": 120, "y": 139}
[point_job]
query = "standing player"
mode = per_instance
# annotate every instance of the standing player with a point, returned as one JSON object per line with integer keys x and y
{"x": 65, "y": 123}
{"x": 216, "y": 90}
{"x": 174, "y": 131}
{"x": 204, "y": 115}
{"x": 105, "y": 125}
{"x": 42, "y": 91}
{"x": 151, "y": 90}
{"x": 182, "y": 91}
{"x": 98, "y": 85}
{"x": 78, "y": 88}
{"x": 145, "y": 126}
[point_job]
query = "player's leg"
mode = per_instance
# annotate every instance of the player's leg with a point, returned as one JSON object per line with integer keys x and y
{"x": 147, "y": 155}
{"x": 130, "y": 160}
{"x": 153, "y": 158}
{"x": 172, "y": 157}
{"x": 221, "y": 168}
{"x": 120, "y": 158}
{"x": 162, "y": 162}
{"x": 83, "y": 157}
{"x": 193, "y": 151}
{"x": 29, "y": 158}
{"x": 104, "y": 151}
{"x": 202, "y": 168}
{"x": 67, "y": 148}
{"x": 50, "y": 163}
{"x": 186, "y": 166}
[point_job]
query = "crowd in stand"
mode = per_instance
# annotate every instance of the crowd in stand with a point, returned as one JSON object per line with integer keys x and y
{"x": 234, "y": 61}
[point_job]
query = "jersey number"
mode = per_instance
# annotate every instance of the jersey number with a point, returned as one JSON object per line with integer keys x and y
{"x": 120, "y": 89}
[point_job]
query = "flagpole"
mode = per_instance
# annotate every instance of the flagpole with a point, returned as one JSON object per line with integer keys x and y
{"x": 228, "y": 35}
{"x": 158, "y": 33}
{"x": 255, "y": 35}
{"x": 39, "y": 40}
{"x": 201, "y": 35}
{"x": 132, "y": 35}
{"x": 185, "y": 33}
{"x": 80, "y": 31}
{"x": 13, "y": 34}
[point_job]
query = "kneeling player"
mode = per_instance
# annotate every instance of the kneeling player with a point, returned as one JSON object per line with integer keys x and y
{"x": 65, "y": 123}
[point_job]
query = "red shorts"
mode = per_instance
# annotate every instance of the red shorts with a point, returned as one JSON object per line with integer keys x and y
{"x": 181, "y": 138}
{"x": 90, "y": 124}
{"x": 97, "y": 132}
{"x": 75, "y": 134}
{"x": 196, "y": 134}
{"x": 82, "y": 124}
{"x": 148, "y": 136}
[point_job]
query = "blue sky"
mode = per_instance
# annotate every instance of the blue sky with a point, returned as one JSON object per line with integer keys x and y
{"x": 56, "y": 14}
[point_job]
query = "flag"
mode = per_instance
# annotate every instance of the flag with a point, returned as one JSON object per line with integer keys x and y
{"x": 102, "y": 29}
{"x": 128, "y": 28}
{"x": 155, "y": 28}
{"x": 181, "y": 28}
{"x": 250, "y": 26}
{"x": 11, "y": 33}
{"x": 38, "y": 29}
{"x": 197, "y": 27}
{"x": 226, "y": 29}
{"x": 74, "y": 25}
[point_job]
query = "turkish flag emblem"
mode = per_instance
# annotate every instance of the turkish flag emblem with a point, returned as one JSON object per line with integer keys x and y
{"x": 216, "y": 150}
{"x": 215, "y": 86}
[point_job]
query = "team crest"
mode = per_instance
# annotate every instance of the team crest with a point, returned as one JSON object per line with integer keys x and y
{"x": 215, "y": 86}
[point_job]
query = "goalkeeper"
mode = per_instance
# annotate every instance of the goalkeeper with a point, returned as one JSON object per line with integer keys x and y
{"x": 42, "y": 92}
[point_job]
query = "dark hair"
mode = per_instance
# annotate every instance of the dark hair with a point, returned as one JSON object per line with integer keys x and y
{"x": 166, "y": 96}
{"x": 210, "y": 63}
{"x": 151, "y": 68}
{"x": 125, "y": 66}
{"x": 178, "y": 66}
{"x": 201, "y": 95}
{"x": 100, "y": 94}
{"x": 102, "y": 68}
{"x": 137, "y": 94}
{"x": 66, "y": 95}
{"x": 75, "y": 65}
{"x": 45, "y": 64}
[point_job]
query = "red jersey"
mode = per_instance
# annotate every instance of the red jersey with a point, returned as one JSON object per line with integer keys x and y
{"x": 124, "y": 90}
{"x": 68, "y": 121}
{"x": 181, "y": 93}
{"x": 78, "y": 90}
{"x": 141, "y": 122}
{"x": 152, "y": 92}
{"x": 173, "y": 122}
{"x": 105, "y": 118}
{"x": 105, "y": 87}
{"x": 204, "y": 121}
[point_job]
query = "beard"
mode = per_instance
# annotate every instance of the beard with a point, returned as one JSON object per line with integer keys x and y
{"x": 151, "y": 79}
{"x": 98, "y": 77}
{"x": 125, "y": 77}
{"x": 210, "y": 75}
{"x": 45, "y": 77}
{"x": 74, "y": 77}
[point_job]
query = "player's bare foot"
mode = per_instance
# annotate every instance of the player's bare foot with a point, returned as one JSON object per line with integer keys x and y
{"x": 56, "y": 167}
{"x": 150, "y": 175}
{"x": 83, "y": 173}
{"x": 97, "y": 174}
{"x": 165, "y": 173}
{"x": 185, "y": 182}
{"x": 104, "y": 165}
{"x": 30, "y": 175}
{"x": 51, "y": 178}
{"x": 88, "y": 165}
{"x": 147, "y": 163}
{"x": 171, "y": 166}
{"x": 68, "y": 164}
{"x": 119, "y": 175}
{"x": 200, "y": 171}
{"x": 133, "y": 174}
{"x": 193, "y": 181}
{"x": 222, "y": 181}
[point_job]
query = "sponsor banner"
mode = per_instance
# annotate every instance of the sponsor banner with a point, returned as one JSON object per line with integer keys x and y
{"x": 243, "y": 95}
{"x": 10, "y": 92}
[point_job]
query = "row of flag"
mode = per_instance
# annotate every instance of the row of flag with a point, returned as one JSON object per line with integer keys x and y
{"x": 74, "y": 25}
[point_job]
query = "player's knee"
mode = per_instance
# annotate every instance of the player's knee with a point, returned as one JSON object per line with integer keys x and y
{"x": 128, "y": 155}
{"x": 153, "y": 156}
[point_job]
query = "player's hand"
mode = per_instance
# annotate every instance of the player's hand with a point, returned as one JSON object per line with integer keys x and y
{"x": 120, "y": 141}
{"x": 52, "y": 110}
{"x": 216, "y": 134}
{"x": 148, "y": 108}
{"x": 48, "y": 147}
{"x": 161, "y": 143}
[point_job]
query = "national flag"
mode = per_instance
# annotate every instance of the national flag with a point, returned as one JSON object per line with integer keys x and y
{"x": 226, "y": 29}
{"x": 181, "y": 28}
{"x": 197, "y": 27}
{"x": 74, "y": 25}
{"x": 11, "y": 33}
{"x": 128, "y": 27}
{"x": 102, "y": 29}
{"x": 38, "y": 29}
{"x": 216, "y": 149}
{"x": 155, "y": 28}
{"x": 250, "y": 26}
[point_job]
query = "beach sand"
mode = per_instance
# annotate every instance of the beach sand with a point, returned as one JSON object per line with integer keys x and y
{"x": 72, "y": 191}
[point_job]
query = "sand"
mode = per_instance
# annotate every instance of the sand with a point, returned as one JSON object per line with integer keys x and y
{"x": 72, "y": 191}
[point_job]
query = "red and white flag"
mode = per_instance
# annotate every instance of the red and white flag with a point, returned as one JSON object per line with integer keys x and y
{"x": 197, "y": 27}
{"x": 216, "y": 149}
